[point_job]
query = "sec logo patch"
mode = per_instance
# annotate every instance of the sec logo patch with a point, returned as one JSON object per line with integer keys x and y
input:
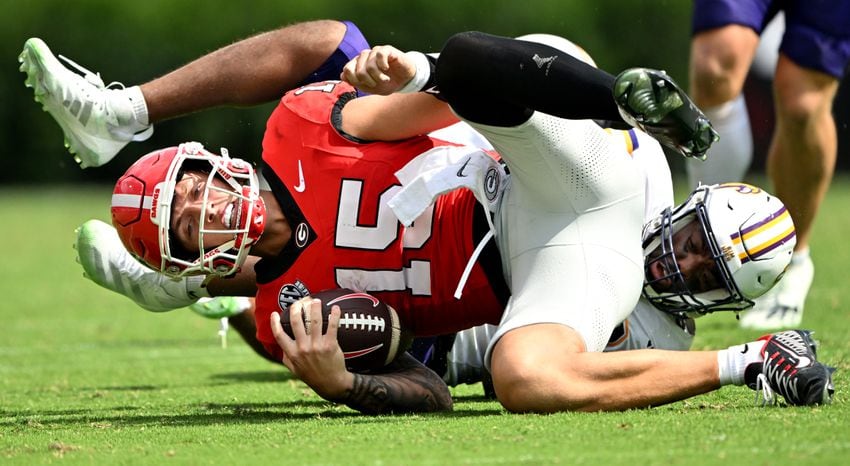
{"x": 290, "y": 293}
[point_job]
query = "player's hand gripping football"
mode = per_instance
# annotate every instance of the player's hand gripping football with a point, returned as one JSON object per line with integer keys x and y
{"x": 313, "y": 357}
{"x": 380, "y": 70}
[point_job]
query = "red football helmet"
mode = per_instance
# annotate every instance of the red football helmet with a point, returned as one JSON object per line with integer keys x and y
{"x": 141, "y": 210}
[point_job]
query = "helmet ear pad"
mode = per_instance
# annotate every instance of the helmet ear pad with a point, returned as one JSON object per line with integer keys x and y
{"x": 750, "y": 235}
{"x": 142, "y": 207}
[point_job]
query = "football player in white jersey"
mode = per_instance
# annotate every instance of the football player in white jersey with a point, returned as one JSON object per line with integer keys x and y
{"x": 569, "y": 228}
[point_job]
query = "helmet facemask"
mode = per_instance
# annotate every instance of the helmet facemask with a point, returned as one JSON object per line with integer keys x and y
{"x": 244, "y": 214}
{"x": 671, "y": 292}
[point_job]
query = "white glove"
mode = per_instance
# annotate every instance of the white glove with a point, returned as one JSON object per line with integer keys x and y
{"x": 106, "y": 262}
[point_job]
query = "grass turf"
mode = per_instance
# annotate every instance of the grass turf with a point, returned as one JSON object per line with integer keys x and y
{"x": 86, "y": 377}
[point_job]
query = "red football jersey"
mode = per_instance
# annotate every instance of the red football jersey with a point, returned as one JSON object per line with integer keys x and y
{"x": 334, "y": 193}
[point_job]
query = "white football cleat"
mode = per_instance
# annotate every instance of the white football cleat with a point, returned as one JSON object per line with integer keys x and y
{"x": 97, "y": 121}
{"x": 782, "y": 306}
{"x": 106, "y": 262}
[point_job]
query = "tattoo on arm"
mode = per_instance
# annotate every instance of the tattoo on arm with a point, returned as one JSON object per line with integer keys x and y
{"x": 405, "y": 386}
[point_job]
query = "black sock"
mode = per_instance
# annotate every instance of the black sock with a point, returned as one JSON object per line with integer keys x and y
{"x": 500, "y": 81}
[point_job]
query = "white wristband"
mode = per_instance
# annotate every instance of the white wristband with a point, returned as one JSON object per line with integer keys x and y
{"x": 423, "y": 73}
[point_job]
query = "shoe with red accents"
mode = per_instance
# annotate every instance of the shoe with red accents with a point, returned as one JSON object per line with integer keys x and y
{"x": 791, "y": 368}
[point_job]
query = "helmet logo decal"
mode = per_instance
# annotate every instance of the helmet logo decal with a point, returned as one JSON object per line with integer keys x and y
{"x": 742, "y": 188}
{"x": 155, "y": 200}
{"x": 290, "y": 293}
{"x": 728, "y": 252}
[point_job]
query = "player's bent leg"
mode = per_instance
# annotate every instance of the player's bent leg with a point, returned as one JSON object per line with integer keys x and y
{"x": 97, "y": 120}
{"x": 720, "y": 60}
{"x": 523, "y": 365}
{"x": 801, "y": 162}
{"x": 255, "y": 70}
{"x": 802, "y": 155}
{"x": 719, "y": 63}
{"x": 543, "y": 368}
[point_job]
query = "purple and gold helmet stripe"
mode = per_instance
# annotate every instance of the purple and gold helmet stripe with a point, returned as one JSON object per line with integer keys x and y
{"x": 762, "y": 237}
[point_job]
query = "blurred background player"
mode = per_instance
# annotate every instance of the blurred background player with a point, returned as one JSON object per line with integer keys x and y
{"x": 813, "y": 55}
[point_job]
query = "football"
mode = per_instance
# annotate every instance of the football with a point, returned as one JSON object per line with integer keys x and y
{"x": 370, "y": 332}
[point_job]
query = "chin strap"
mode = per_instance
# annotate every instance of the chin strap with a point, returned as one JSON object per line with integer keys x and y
{"x": 471, "y": 262}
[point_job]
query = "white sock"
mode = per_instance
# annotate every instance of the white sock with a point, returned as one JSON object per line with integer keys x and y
{"x": 733, "y": 361}
{"x": 730, "y": 157}
{"x": 133, "y": 107}
{"x": 195, "y": 288}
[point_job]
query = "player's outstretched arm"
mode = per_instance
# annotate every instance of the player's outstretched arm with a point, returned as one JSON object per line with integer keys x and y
{"x": 106, "y": 262}
{"x": 316, "y": 358}
{"x": 404, "y": 386}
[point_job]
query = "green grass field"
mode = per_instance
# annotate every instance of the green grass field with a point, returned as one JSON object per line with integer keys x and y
{"x": 87, "y": 377}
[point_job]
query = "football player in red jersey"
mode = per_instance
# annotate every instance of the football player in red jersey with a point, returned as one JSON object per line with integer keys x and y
{"x": 323, "y": 214}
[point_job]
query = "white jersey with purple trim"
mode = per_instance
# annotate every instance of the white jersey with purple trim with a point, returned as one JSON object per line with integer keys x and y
{"x": 570, "y": 222}
{"x": 645, "y": 326}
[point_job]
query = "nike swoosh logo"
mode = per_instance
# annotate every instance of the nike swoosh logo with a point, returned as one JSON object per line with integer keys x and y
{"x": 460, "y": 173}
{"x": 301, "y": 185}
{"x": 804, "y": 362}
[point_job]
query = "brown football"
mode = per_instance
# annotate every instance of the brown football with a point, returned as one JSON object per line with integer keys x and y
{"x": 370, "y": 332}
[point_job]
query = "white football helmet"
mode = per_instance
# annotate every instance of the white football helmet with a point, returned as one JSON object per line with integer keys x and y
{"x": 750, "y": 236}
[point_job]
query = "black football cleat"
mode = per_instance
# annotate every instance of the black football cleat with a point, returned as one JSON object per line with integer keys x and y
{"x": 791, "y": 369}
{"x": 651, "y": 101}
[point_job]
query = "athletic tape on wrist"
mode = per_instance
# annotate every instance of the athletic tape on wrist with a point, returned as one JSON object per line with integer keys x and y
{"x": 422, "y": 75}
